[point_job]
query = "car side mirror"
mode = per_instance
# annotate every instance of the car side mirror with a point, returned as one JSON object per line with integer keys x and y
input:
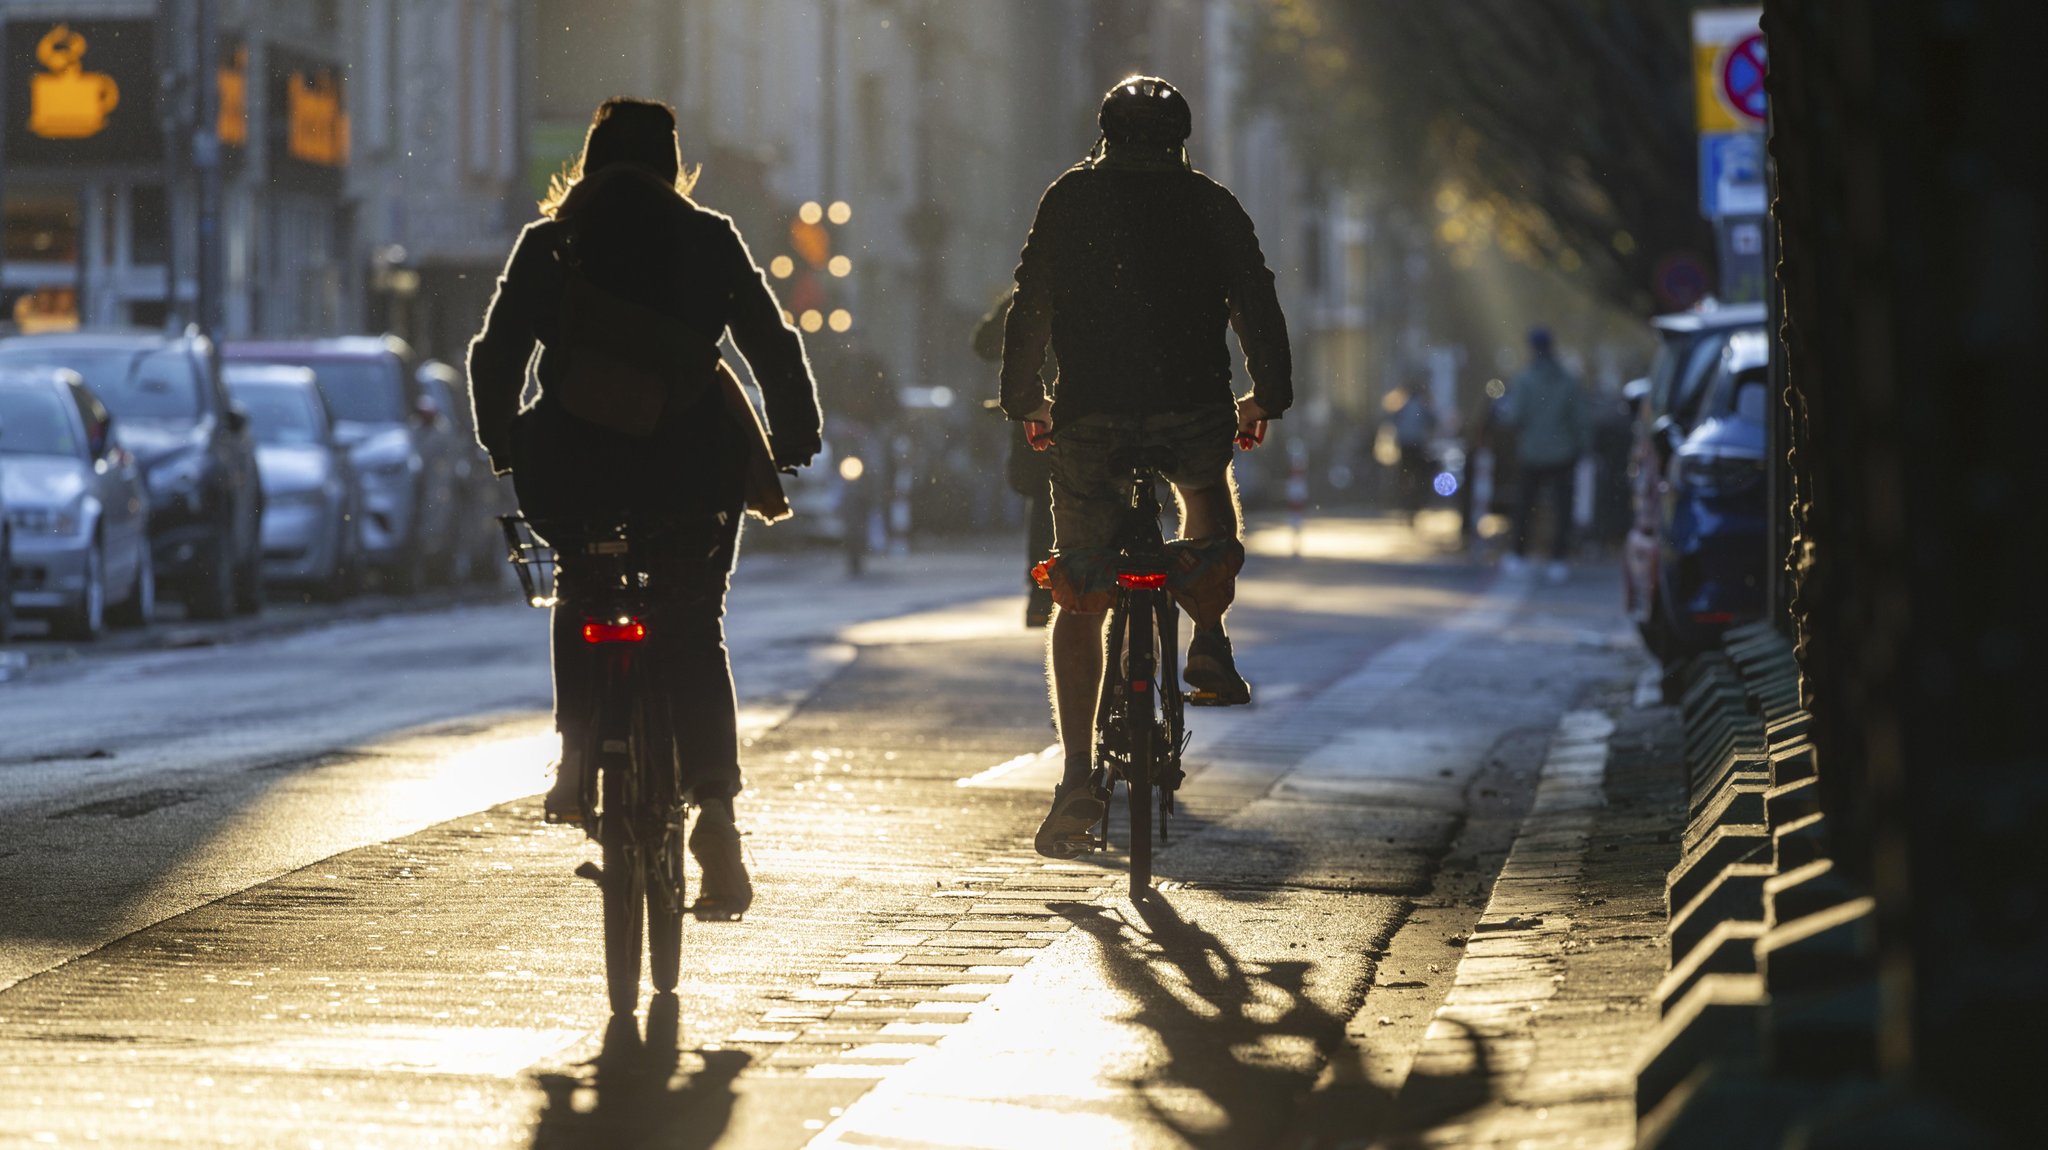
{"x": 1665, "y": 436}
{"x": 237, "y": 419}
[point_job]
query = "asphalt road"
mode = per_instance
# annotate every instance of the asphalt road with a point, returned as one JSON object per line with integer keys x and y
{"x": 292, "y": 889}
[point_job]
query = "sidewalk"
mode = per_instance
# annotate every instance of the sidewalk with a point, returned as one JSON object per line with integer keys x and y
{"x": 1538, "y": 1041}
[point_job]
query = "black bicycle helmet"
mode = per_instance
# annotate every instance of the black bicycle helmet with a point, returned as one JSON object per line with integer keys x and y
{"x": 1145, "y": 110}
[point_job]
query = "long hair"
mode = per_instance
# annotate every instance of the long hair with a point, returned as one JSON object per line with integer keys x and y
{"x": 629, "y": 131}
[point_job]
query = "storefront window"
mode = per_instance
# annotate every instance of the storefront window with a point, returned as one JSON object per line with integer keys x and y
{"x": 42, "y": 228}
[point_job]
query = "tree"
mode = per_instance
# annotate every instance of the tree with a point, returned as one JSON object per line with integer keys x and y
{"x": 1558, "y": 131}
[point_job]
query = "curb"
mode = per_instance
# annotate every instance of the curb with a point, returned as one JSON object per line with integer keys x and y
{"x": 1770, "y": 1008}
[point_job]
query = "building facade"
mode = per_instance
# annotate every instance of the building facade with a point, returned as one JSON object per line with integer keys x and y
{"x": 366, "y": 162}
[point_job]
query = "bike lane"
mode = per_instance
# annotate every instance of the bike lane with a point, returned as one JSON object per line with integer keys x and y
{"x": 441, "y": 988}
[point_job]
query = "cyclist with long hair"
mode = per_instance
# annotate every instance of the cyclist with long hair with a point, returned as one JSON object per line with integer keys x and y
{"x": 1135, "y": 266}
{"x": 626, "y": 286}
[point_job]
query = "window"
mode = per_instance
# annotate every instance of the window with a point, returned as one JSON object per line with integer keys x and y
{"x": 42, "y": 228}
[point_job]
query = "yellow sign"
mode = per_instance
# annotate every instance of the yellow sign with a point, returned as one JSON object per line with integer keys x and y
{"x": 67, "y": 102}
{"x": 232, "y": 78}
{"x": 1723, "y": 39}
{"x": 317, "y": 125}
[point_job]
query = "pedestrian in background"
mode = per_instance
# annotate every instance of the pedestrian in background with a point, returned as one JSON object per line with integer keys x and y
{"x": 1546, "y": 409}
{"x": 1028, "y": 472}
{"x": 1414, "y": 431}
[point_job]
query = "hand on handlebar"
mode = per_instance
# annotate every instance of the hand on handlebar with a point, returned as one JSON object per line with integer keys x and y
{"x": 1038, "y": 427}
{"x": 1251, "y": 423}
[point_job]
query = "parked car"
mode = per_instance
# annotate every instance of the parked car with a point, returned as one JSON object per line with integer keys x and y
{"x": 77, "y": 507}
{"x": 310, "y": 493}
{"x": 194, "y": 447}
{"x": 398, "y": 440}
{"x": 482, "y": 496}
{"x": 1713, "y": 538}
{"x": 6, "y": 549}
{"x": 1690, "y": 345}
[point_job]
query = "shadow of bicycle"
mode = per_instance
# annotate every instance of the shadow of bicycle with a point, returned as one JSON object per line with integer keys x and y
{"x": 1244, "y": 1044}
{"x": 641, "y": 1093}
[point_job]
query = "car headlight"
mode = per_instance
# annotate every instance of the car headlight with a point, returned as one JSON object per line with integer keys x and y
{"x": 62, "y": 520}
{"x": 178, "y": 476}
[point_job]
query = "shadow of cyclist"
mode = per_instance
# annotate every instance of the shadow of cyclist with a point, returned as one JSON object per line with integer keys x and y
{"x": 1235, "y": 1033}
{"x": 633, "y": 1095}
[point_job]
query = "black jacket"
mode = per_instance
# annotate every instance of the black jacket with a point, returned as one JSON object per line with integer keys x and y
{"x": 637, "y": 238}
{"x": 1131, "y": 274}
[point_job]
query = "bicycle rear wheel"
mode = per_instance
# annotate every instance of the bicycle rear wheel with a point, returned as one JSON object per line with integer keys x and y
{"x": 665, "y": 920}
{"x": 662, "y": 825}
{"x": 625, "y": 889}
{"x": 625, "y": 875}
{"x": 1140, "y": 689}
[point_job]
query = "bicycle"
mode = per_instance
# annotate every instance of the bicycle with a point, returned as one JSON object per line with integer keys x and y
{"x": 1141, "y": 715}
{"x": 636, "y": 791}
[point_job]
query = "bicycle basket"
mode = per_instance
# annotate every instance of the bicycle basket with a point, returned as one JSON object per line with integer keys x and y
{"x": 534, "y": 560}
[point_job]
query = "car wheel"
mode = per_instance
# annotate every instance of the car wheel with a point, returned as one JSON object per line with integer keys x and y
{"x": 139, "y": 608}
{"x": 249, "y": 584}
{"x": 211, "y": 594}
{"x": 85, "y": 619}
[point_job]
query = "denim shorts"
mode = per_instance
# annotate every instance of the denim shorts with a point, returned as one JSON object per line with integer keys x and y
{"x": 1088, "y": 494}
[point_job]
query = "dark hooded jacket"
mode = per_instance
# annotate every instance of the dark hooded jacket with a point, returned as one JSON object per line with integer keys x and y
{"x": 634, "y": 236}
{"x": 1131, "y": 274}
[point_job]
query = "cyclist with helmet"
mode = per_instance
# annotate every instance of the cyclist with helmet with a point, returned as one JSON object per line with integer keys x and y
{"x": 1135, "y": 265}
{"x": 627, "y": 286}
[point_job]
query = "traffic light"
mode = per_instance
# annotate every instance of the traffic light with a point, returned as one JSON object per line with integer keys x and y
{"x": 811, "y": 265}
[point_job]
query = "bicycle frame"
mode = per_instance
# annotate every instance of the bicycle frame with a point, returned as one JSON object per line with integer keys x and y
{"x": 1141, "y": 728}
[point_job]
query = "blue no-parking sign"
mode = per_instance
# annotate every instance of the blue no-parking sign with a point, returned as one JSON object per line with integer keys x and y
{"x": 1732, "y": 174}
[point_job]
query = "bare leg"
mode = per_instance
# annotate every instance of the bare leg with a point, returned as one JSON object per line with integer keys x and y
{"x": 1209, "y": 513}
{"x": 1074, "y": 658}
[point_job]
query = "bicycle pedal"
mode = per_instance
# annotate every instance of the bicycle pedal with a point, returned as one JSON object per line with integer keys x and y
{"x": 591, "y": 871}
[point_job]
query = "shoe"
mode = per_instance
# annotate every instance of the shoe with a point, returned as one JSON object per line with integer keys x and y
{"x": 724, "y": 889}
{"x": 1038, "y": 608}
{"x": 1064, "y": 833}
{"x": 1514, "y": 566}
{"x": 1213, "y": 673}
{"x": 1557, "y": 572}
{"x": 564, "y": 801}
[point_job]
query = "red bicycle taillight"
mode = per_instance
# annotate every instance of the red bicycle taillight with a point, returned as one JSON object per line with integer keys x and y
{"x": 1141, "y": 580}
{"x": 614, "y": 630}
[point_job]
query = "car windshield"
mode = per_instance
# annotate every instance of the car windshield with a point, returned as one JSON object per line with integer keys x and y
{"x": 33, "y": 422}
{"x": 280, "y": 413}
{"x": 362, "y": 390}
{"x": 158, "y": 385}
{"x": 1743, "y": 395}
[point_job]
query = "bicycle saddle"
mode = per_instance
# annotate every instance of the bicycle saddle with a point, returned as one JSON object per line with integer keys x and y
{"x": 1154, "y": 457}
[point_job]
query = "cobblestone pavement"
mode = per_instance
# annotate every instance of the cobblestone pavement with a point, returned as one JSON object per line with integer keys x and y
{"x": 421, "y": 971}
